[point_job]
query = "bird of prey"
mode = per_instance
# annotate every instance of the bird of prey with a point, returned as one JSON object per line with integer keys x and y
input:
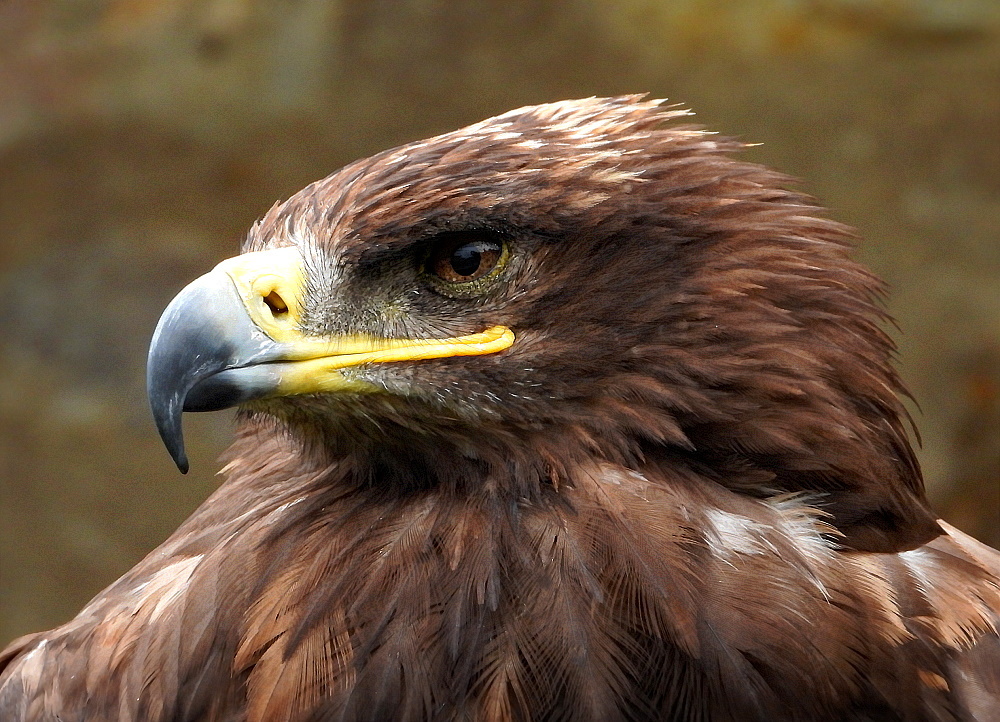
{"x": 566, "y": 415}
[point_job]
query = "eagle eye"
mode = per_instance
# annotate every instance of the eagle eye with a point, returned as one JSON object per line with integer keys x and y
{"x": 461, "y": 263}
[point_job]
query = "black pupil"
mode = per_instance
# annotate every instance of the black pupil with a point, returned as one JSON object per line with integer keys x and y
{"x": 466, "y": 259}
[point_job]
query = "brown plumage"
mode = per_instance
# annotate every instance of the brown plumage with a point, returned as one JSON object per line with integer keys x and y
{"x": 683, "y": 492}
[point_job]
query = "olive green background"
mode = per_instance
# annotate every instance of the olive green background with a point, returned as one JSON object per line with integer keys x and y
{"x": 139, "y": 139}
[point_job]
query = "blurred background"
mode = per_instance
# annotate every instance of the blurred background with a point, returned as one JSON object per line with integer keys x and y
{"x": 139, "y": 139}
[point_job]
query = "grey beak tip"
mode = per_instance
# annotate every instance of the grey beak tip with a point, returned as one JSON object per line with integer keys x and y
{"x": 168, "y": 423}
{"x": 203, "y": 357}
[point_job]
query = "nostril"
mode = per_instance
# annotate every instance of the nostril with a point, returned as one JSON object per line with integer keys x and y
{"x": 276, "y": 303}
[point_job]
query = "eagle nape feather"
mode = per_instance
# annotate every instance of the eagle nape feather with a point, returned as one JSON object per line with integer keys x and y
{"x": 566, "y": 415}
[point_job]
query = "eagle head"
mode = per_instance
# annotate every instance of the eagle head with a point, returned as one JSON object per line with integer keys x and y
{"x": 560, "y": 284}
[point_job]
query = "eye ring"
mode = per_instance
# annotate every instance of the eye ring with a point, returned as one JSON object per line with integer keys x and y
{"x": 463, "y": 263}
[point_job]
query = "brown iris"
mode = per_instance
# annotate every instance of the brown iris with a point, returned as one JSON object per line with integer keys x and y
{"x": 464, "y": 257}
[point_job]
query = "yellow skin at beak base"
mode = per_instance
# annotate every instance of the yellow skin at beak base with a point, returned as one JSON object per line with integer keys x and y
{"x": 311, "y": 364}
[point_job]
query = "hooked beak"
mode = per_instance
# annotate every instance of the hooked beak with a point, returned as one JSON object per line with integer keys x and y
{"x": 234, "y": 335}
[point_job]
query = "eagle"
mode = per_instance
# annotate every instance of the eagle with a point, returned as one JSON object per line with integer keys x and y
{"x": 567, "y": 415}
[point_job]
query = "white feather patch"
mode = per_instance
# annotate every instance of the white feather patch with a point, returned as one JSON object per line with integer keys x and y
{"x": 165, "y": 586}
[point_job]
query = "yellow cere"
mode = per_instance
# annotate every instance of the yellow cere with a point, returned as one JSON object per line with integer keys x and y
{"x": 260, "y": 274}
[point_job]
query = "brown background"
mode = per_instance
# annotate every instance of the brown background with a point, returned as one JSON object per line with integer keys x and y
{"x": 140, "y": 138}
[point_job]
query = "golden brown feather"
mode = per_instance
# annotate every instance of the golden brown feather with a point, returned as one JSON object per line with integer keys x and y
{"x": 685, "y": 492}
